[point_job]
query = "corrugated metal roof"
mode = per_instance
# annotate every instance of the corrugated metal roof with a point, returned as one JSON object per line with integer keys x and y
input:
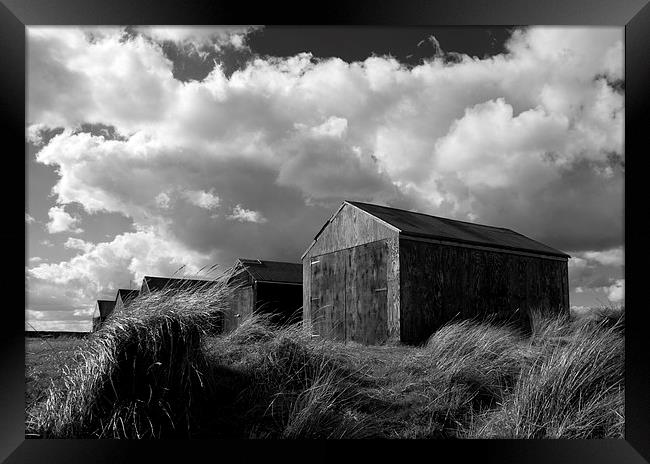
{"x": 127, "y": 295}
{"x": 427, "y": 226}
{"x": 167, "y": 283}
{"x": 273, "y": 271}
{"x": 105, "y": 307}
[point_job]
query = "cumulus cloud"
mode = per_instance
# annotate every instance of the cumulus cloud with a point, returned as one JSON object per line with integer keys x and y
{"x": 78, "y": 244}
{"x": 598, "y": 273}
{"x": 104, "y": 267}
{"x": 29, "y": 219}
{"x": 163, "y": 200}
{"x": 61, "y": 221}
{"x": 531, "y": 139}
{"x": 205, "y": 200}
{"x": 616, "y": 291}
{"x": 246, "y": 215}
{"x": 613, "y": 257}
{"x": 198, "y": 37}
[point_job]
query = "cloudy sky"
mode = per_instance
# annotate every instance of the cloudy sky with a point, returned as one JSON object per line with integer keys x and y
{"x": 152, "y": 148}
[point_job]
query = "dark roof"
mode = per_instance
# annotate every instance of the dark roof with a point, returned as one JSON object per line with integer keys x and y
{"x": 426, "y": 226}
{"x": 273, "y": 271}
{"x": 105, "y": 307}
{"x": 126, "y": 295}
{"x": 166, "y": 283}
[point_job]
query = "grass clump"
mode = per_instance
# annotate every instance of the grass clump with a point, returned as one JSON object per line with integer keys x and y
{"x": 289, "y": 385}
{"x": 573, "y": 389}
{"x": 464, "y": 367}
{"x": 140, "y": 375}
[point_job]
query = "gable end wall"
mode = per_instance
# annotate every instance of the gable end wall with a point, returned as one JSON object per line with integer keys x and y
{"x": 349, "y": 228}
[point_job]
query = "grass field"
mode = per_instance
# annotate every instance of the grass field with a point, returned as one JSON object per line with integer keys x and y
{"x": 153, "y": 373}
{"x": 44, "y": 362}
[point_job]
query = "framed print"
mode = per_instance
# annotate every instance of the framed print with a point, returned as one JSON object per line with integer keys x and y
{"x": 250, "y": 226}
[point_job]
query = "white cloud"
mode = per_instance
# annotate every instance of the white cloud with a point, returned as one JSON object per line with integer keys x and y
{"x": 35, "y": 260}
{"x": 33, "y": 134}
{"x": 612, "y": 257}
{"x": 78, "y": 244}
{"x": 198, "y": 36}
{"x": 61, "y": 221}
{"x": 104, "y": 267}
{"x": 616, "y": 291}
{"x": 163, "y": 200}
{"x": 83, "y": 312}
{"x": 596, "y": 270}
{"x": 206, "y": 200}
{"x": 333, "y": 127}
{"x": 29, "y": 219}
{"x": 246, "y": 215}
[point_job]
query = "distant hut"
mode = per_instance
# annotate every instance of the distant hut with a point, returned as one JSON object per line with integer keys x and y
{"x": 124, "y": 298}
{"x": 171, "y": 285}
{"x": 102, "y": 310}
{"x": 270, "y": 287}
{"x": 375, "y": 274}
{"x": 156, "y": 284}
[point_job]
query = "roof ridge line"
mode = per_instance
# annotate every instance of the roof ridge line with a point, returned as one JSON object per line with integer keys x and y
{"x": 430, "y": 215}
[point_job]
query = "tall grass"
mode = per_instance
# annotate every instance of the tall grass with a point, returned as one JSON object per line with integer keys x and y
{"x": 151, "y": 372}
{"x": 290, "y": 385}
{"x": 139, "y": 374}
{"x": 573, "y": 389}
{"x": 464, "y": 367}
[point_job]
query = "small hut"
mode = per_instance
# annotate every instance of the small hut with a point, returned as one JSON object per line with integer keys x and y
{"x": 157, "y": 284}
{"x": 172, "y": 285}
{"x": 270, "y": 287}
{"x": 123, "y": 298}
{"x": 375, "y": 274}
{"x": 102, "y": 310}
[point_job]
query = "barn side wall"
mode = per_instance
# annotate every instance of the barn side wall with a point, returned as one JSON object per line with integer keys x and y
{"x": 350, "y": 227}
{"x": 441, "y": 282}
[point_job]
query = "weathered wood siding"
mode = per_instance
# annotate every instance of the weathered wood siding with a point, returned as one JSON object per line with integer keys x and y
{"x": 349, "y": 228}
{"x": 351, "y": 291}
{"x": 241, "y": 306}
{"x": 393, "y": 294}
{"x": 327, "y": 295}
{"x": 366, "y": 293}
{"x": 440, "y": 282}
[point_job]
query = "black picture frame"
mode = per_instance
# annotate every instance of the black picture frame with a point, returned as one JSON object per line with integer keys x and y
{"x": 634, "y": 15}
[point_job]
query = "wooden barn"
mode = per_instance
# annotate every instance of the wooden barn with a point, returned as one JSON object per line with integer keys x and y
{"x": 375, "y": 274}
{"x": 271, "y": 287}
{"x": 102, "y": 310}
{"x": 124, "y": 297}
